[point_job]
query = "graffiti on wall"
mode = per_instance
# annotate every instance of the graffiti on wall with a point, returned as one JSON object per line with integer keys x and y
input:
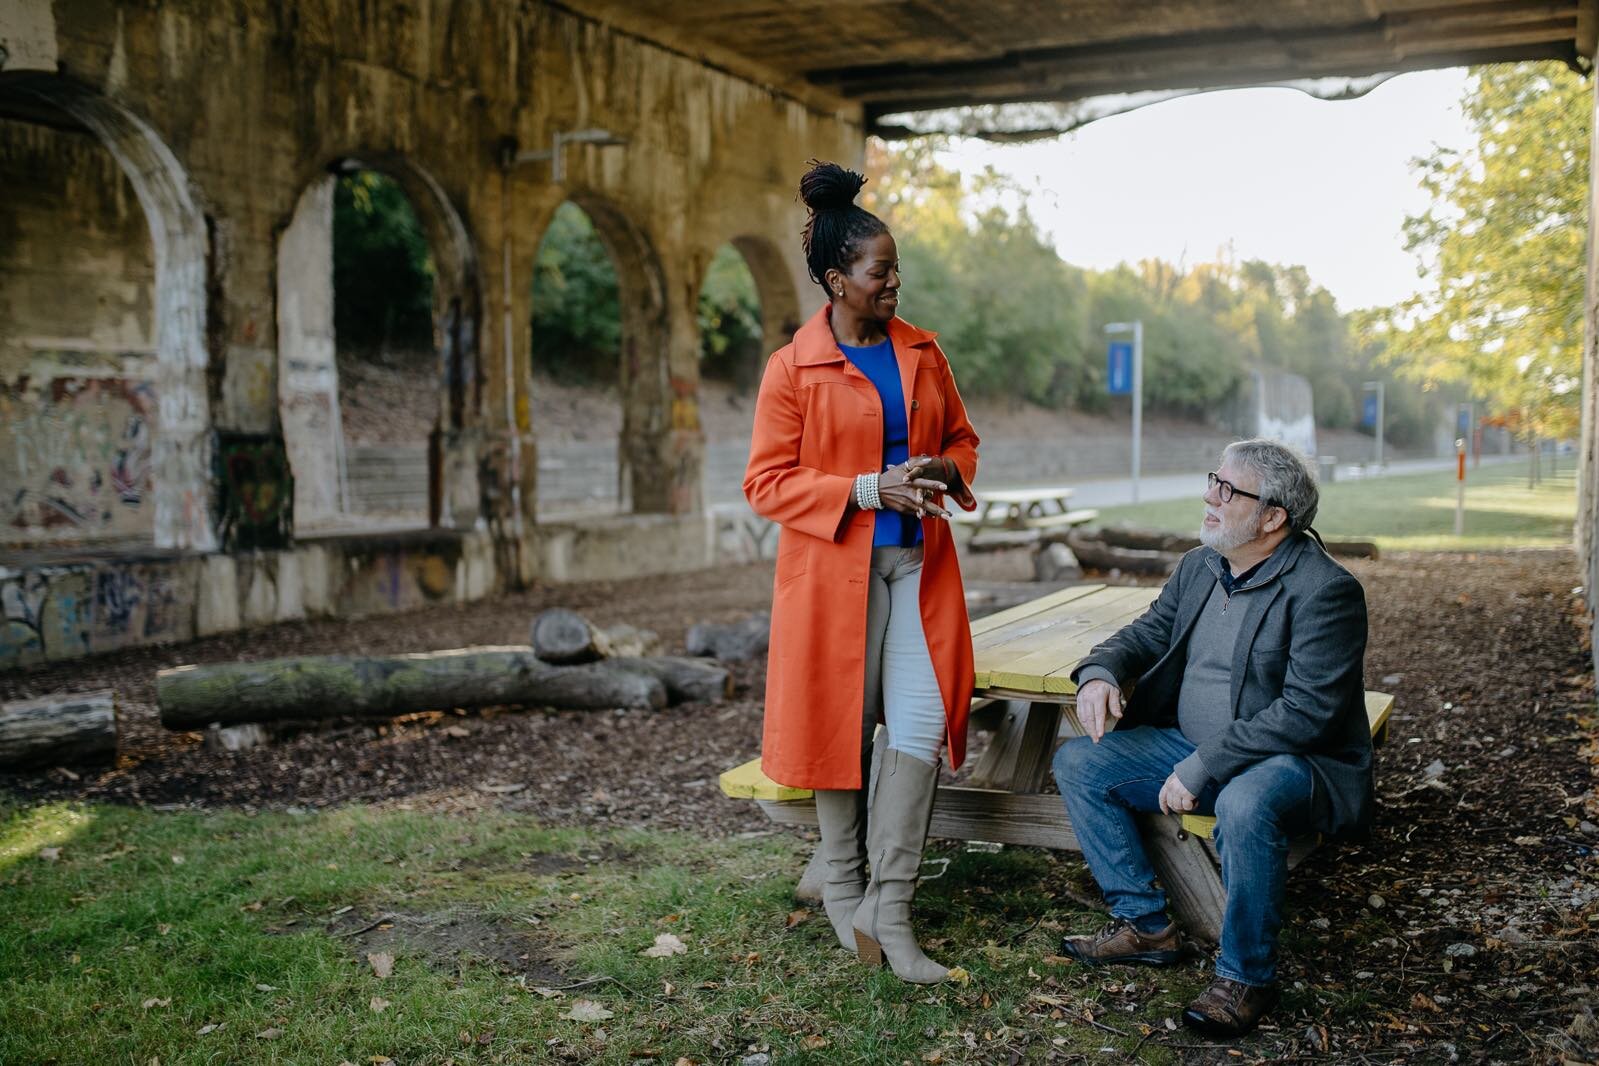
{"x": 75, "y": 458}
{"x": 255, "y": 491}
{"x": 61, "y": 612}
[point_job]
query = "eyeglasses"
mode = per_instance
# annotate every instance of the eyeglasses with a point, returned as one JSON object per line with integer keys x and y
{"x": 1227, "y": 490}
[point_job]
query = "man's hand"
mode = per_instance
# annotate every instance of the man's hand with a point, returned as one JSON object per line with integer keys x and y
{"x": 1097, "y": 701}
{"x": 1174, "y": 798}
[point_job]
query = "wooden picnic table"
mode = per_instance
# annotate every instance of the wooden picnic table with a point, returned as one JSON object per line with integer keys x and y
{"x": 1007, "y": 517}
{"x": 1024, "y": 658}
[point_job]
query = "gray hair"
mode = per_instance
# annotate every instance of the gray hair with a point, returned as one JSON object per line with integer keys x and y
{"x": 1286, "y": 480}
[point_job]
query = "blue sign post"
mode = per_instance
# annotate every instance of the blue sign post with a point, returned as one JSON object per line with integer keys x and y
{"x": 1124, "y": 375}
{"x": 1119, "y": 368}
{"x": 1368, "y": 414}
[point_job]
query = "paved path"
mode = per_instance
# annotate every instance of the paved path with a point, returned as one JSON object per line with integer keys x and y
{"x": 1114, "y": 492}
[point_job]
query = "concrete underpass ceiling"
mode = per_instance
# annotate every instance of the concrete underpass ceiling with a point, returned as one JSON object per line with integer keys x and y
{"x": 892, "y": 56}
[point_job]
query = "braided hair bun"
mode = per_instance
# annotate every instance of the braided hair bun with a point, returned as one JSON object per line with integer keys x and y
{"x": 837, "y": 227}
{"x": 829, "y": 187}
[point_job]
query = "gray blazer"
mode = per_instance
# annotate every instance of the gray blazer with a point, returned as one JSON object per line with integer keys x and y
{"x": 1297, "y": 684}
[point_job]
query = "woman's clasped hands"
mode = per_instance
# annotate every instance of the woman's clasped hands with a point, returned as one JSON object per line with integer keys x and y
{"x": 908, "y": 487}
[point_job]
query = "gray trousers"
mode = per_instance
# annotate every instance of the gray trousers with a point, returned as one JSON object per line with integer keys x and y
{"x": 901, "y": 684}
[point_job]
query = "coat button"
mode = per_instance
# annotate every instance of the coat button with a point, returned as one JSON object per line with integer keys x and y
{"x": 915, "y": 404}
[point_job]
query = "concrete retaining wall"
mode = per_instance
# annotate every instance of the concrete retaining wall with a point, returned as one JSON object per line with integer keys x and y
{"x": 69, "y": 609}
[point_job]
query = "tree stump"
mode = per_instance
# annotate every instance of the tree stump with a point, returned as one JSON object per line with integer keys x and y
{"x": 564, "y": 637}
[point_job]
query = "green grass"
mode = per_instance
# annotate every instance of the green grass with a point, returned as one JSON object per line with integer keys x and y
{"x": 143, "y": 928}
{"x": 1415, "y": 512}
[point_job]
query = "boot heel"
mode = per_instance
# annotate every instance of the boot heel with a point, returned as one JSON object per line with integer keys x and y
{"x": 868, "y": 950}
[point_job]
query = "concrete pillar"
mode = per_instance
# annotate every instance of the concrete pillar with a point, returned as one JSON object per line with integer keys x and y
{"x": 308, "y": 378}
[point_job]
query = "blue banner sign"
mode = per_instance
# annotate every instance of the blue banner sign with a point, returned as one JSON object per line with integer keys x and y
{"x": 1463, "y": 422}
{"x": 1368, "y": 414}
{"x": 1119, "y": 368}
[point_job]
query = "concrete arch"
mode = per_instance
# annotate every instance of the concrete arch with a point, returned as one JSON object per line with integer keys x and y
{"x": 308, "y": 400}
{"x": 181, "y": 445}
{"x": 645, "y": 480}
{"x": 780, "y": 304}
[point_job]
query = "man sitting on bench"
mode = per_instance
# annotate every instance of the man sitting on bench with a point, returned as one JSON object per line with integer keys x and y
{"x": 1248, "y": 703}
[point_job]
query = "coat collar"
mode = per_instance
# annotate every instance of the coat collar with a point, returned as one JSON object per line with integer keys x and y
{"x": 814, "y": 343}
{"x": 1278, "y": 563}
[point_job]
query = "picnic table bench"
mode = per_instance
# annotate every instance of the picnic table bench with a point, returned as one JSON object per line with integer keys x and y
{"x": 1024, "y": 659}
{"x": 1008, "y": 518}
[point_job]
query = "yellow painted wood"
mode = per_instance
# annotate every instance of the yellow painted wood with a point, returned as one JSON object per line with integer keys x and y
{"x": 749, "y": 782}
{"x": 1048, "y": 670}
{"x": 1379, "y": 705}
{"x": 1023, "y": 654}
{"x": 1031, "y": 608}
{"x": 1028, "y": 632}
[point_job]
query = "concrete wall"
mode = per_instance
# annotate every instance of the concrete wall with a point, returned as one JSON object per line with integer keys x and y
{"x": 67, "y": 610}
{"x": 430, "y": 92}
{"x": 78, "y": 404}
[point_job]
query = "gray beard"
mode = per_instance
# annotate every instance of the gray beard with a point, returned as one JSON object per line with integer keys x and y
{"x": 1227, "y": 538}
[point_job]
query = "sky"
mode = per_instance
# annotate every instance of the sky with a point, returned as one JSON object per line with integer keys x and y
{"x": 1273, "y": 173}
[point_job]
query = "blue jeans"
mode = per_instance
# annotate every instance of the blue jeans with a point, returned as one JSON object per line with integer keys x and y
{"x": 1256, "y": 814}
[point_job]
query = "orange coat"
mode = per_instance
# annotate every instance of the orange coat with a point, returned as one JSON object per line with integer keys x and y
{"x": 818, "y": 423}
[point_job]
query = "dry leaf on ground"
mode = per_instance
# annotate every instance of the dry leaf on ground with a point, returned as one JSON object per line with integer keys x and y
{"x": 665, "y": 945}
{"x": 586, "y": 1010}
{"x": 382, "y": 963}
{"x": 378, "y": 1004}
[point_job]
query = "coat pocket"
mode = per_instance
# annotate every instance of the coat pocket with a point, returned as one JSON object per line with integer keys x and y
{"x": 793, "y": 556}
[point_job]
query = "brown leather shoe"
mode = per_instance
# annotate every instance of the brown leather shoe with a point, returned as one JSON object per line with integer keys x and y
{"x": 1228, "y": 1009}
{"x": 1121, "y": 942}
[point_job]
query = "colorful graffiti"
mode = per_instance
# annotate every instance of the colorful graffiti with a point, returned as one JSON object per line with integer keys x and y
{"x": 255, "y": 491}
{"x": 61, "y": 612}
{"x": 75, "y": 458}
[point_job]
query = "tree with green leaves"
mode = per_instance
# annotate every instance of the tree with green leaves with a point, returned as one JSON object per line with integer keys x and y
{"x": 382, "y": 269}
{"x": 1502, "y": 316}
{"x": 577, "y": 306}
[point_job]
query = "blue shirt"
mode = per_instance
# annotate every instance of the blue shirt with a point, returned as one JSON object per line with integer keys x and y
{"x": 882, "y": 369}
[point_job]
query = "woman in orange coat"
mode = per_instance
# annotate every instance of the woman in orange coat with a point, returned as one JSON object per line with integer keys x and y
{"x": 859, "y": 436}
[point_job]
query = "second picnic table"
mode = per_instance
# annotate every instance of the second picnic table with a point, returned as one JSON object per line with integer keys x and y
{"x": 1007, "y": 517}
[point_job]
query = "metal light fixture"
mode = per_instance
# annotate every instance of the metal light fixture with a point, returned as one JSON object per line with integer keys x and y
{"x": 600, "y": 138}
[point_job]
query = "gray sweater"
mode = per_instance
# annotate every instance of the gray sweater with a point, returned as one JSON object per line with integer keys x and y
{"x": 1204, "y": 703}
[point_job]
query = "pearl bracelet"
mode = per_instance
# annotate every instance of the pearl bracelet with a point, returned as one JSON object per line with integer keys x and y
{"x": 867, "y": 496}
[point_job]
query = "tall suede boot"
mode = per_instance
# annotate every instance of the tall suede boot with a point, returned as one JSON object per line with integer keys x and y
{"x": 901, "y": 811}
{"x": 841, "y": 814}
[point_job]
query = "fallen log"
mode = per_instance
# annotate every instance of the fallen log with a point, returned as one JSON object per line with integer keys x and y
{"x": 192, "y": 697}
{"x": 1146, "y": 539}
{"x": 59, "y": 729}
{"x": 732, "y": 642}
{"x": 1153, "y": 540}
{"x": 1097, "y": 555}
{"x": 563, "y": 636}
{"x": 685, "y": 679}
{"x": 1352, "y": 549}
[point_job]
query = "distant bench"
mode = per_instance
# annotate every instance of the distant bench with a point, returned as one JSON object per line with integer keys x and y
{"x": 1024, "y": 659}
